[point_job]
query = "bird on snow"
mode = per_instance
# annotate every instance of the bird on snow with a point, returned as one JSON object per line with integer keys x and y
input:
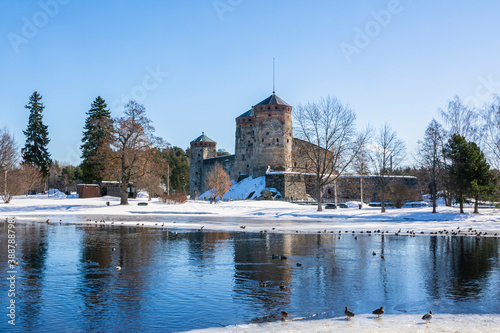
{"x": 348, "y": 313}
{"x": 284, "y": 315}
{"x": 118, "y": 268}
{"x": 282, "y": 285}
{"x": 427, "y": 317}
{"x": 379, "y": 311}
{"x": 263, "y": 284}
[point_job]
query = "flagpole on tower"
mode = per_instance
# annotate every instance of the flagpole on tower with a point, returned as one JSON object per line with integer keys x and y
{"x": 274, "y": 77}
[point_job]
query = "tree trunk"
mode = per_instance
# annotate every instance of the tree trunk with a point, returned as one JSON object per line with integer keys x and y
{"x": 361, "y": 188}
{"x": 461, "y": 204}
{"x": 382, "y": 210}
{"x": 320, "y": 206}
{"x": 335, "y": 191}
{"x": 476, "y": 205}
{"x": 124, "y": 195}
{"x": 124, "y": 185}
{"x": 434, "y": 196}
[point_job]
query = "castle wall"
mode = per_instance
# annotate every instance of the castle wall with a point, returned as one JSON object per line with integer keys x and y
{"x": 291, "y": 185}
{"x": 227, "y": 162}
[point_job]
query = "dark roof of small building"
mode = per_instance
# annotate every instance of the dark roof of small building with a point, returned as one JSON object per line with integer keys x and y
{"x": 249, "y": 113}
{"x": 273, "y": 100}
{"x": 203, "y": 138}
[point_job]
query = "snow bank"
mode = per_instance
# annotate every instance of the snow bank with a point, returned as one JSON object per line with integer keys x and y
{"x": 248, "y": 188}
{"x": 370, "y": 323}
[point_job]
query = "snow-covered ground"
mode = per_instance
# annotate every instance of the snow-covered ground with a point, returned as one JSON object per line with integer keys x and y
{"x": 370, "y": 323}
{"x": 255, "y": 215}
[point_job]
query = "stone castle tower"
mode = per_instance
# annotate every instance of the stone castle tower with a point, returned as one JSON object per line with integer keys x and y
{"x": 273, "y": 136}
{"x": 201, "y": 148}
{"x": 263, "y": 142}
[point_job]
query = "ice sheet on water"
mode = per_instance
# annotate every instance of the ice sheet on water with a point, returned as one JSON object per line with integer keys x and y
{"x": 370, "y": 323}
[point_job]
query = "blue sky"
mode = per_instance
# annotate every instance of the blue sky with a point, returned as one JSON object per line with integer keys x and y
{"x": 196, "y": 65}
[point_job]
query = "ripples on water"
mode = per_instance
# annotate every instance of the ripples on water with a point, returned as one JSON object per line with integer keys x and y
{"x": 174, "y": 282}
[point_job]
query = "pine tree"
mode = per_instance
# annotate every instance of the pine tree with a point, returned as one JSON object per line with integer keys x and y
{"x": 97, "y": 138}
{"x": 35, "y": 151}
{"x": 469, "y": 170}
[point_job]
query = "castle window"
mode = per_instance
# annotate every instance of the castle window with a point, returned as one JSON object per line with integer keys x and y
{"x": 199, "y": 155}
{"x": 295, "y": 164}
{"x": 195, "y": 183}
{"x": 269, "y": 108}
{"x": 277, "y": 140}
{"x": 276, "y": 108}
{"x": 196, "y": 173}
{"x": 247, "y": 165}
{"x": 262, "y": 139}
{"x": 250, "y": 125}
{"x": 243, "y": 157}
{"x": 287, "y": 140}
{"x": 269, "y": 115}
{"x": 267, "y": 133}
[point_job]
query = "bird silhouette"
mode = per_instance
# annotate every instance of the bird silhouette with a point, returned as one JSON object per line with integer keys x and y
{"x": 379, "y": 311}
{"x": 348, "y": 313}
{"x": 427, "y": 317}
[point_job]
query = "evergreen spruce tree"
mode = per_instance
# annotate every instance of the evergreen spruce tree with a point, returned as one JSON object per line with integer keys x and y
{"x": 97, "y": 138}
{"x": 35, "y": 151}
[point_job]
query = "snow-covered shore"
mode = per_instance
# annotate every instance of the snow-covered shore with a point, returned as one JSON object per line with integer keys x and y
{"x": 254, "y": 215}
{"x": 370, "y": 323}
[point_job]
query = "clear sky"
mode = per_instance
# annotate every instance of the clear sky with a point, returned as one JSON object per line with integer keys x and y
{"x": 196, "y": 65}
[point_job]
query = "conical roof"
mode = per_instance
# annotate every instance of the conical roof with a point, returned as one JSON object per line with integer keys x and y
{"x": 203, "y": 138}
{"x": 249, "y": 113}
{"x": 273, "y": 100}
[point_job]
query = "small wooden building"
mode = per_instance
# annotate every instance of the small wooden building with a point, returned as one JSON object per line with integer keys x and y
{"x": 88, "y": 190}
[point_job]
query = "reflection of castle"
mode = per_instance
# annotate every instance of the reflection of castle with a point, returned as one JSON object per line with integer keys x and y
{"x": 264, "y": 142}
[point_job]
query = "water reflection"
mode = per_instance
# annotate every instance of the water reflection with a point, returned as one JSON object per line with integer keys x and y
{"x": 177, "y": 281}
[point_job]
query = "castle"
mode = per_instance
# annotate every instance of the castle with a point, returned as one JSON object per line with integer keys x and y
{"x": 264, "y": 146}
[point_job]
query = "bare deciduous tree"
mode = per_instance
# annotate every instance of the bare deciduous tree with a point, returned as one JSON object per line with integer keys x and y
{"x": 9, "y": 156}
{"x": 490, "y": 131}
{"x": 328, "y": 133}
{"x": 460, "y": 118}
{"x": 156, "y": 171}
{"x": 133, "y": 139}
{"x": 218, "y": 181}
{"x": 431, "y": 156}
{"x": 30, "y": 178}
{"x": 361, "y": 163}
{"x": 387, "y": 154}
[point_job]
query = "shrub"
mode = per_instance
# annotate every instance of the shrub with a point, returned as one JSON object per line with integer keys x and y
{"x": 176, "y": 198}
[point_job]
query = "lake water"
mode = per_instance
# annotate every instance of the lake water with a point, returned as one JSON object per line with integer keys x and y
{"x": 191, "y": 279}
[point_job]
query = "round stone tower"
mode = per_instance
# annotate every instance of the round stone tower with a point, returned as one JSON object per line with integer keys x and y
{"x": 201, "y": 148}
{"x": 244, "y": 144}
{"x": 273, "y": 135}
